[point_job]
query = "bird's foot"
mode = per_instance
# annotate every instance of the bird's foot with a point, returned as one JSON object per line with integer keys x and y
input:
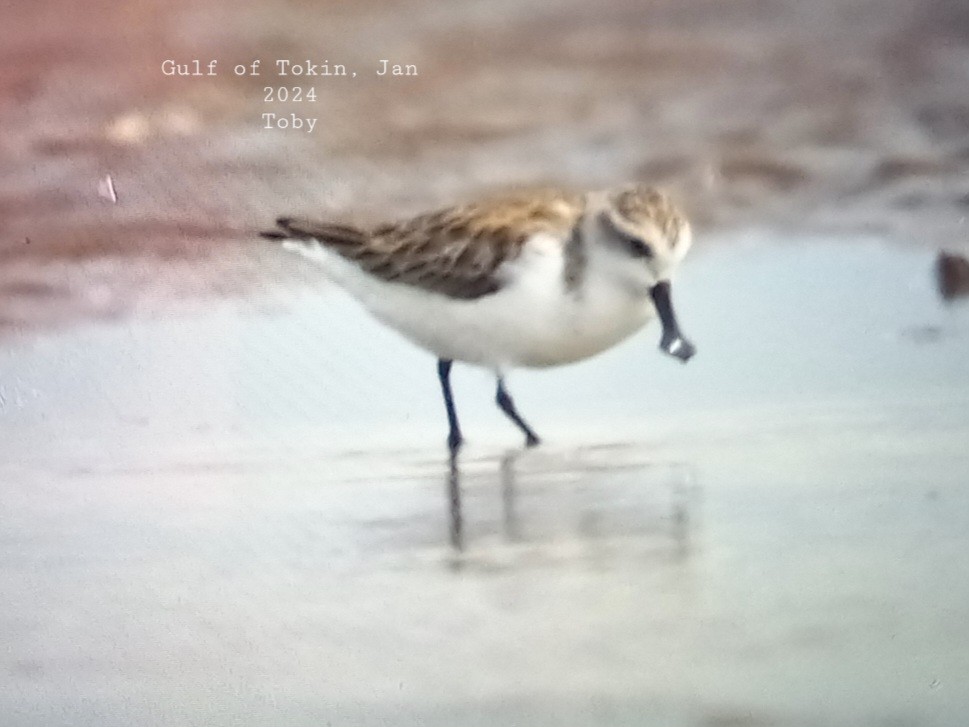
{"x": 454, "y": 442}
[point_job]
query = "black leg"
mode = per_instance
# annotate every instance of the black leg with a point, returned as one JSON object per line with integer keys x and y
{"x": 454, "y": 438}
{"x": 505, "y": 403}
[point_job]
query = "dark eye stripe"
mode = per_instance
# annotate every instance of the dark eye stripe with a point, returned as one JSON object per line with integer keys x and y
{"x": 637, "y": 247}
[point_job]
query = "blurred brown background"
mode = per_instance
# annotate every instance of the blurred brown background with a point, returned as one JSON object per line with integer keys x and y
{"x": 849, "y": 117}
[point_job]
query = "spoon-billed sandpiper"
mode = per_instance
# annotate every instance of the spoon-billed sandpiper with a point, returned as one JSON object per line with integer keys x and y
{"x": 533, "y": 279}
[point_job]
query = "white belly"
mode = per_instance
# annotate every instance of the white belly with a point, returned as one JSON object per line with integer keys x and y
{"x": 532, "y": 322}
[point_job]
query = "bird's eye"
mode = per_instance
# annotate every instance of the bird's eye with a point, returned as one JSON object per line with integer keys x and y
{"x": 637, "y": 246}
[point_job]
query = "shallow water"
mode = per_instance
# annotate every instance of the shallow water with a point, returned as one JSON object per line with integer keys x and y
{"x": 245, "y": 515}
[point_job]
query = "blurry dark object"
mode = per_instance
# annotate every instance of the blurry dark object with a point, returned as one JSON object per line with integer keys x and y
{"x": 952, "y": 272}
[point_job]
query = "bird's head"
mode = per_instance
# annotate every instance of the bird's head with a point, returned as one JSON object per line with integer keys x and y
{"x": 643, "y": 224}
{"x": 647, "y": 237}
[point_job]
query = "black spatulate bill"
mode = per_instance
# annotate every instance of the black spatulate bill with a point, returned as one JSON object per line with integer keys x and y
{"x": 673, "y": 342}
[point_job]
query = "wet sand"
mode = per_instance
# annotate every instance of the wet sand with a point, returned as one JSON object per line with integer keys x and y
{"x": 225, "y": 493}
{"x": 235, "y": 517}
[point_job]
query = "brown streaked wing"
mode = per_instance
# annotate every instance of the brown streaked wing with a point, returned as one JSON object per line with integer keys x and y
{"x": 457, "y": 251}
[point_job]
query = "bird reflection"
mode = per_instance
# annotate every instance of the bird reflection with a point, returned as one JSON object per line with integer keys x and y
{"x": 650, "y": 502}
{"x": 509, "y": 517}
{"x": 506, "y": 470}
{"x": 455, "y": 520}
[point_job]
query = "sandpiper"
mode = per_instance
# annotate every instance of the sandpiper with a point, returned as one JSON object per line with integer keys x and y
{"x": 533, "y": 279}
